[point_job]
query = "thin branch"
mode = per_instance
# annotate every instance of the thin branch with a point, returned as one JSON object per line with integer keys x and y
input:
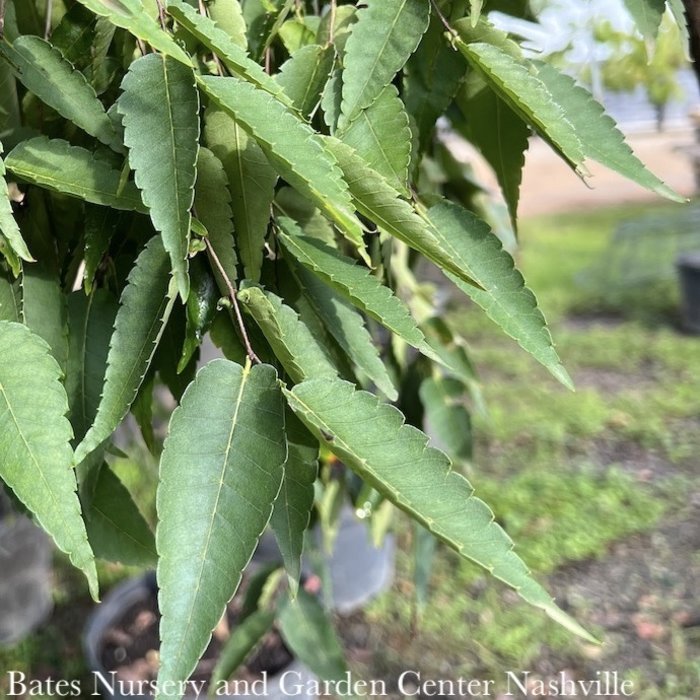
{"x": 161, "y": 14}
{"x": 2, "y": 18}
{"x": 331, "y": 34}
{"x": 234, "y": 300}
{"x": 47, "y": 19}
{"x": 442, "y": 18}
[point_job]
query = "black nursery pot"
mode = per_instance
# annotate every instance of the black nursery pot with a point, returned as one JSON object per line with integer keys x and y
{"x": 25, "y": 575}
{"x": 104, "y": 640}
{"x": 688, "y": 266}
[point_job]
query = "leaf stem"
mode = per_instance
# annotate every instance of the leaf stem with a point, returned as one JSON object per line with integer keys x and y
{"x": 234, "y": 300}
{"x": 47, "y": 19}
{"x": 442, "y": 18}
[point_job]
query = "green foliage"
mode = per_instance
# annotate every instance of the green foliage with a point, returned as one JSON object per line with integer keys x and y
{"x": 288, "y": 175}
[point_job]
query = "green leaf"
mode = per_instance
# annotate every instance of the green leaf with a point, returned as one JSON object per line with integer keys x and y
{"x": 348, "y": 329}
{"x": 90, "y": 322}
{"x": 251, "y": 181}
{"x": 387, "y": 32}
{"x": 116, "y": 529}
{"x": 229, "y": 16}
{"x": 309, "y": 634}
{"x": 394, "y": 458}
{"x": 503, "y": 296}
{"x": 10, "y": 299}
{"x": 647, "y": 15}
{"x": 244, "y": 638}
{"x": 144, "y": 308}
{"x": 8, "y": 225}
{"x": 446, "y": 418}
{"x": 212, "y": 201}
{"x": 160, "y": 109}
{"x": 353, "y": 281}
{"x": 381, "y": 136}
{"x": 74, "y": 34}
{"x": 601, "y": 139}
{"x": 292, "y": 512}
{"x": 44, "y": 71}
{"x": 56, "y": 165}
{"x": 304, "y": 75}
{"x": 101, "y": 225}
{"x": 379, "y": 201}
{"x": 220, "y": 473}
{"x": 133, "y": 16}
{"x": 297, "y": 152}
{"x": 291, "y": 340}
{"x": 35, "y": 452}
{"x": 500, "y": 135}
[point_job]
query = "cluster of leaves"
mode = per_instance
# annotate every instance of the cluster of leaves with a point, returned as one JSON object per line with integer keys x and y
{"x": 266, "y": 172}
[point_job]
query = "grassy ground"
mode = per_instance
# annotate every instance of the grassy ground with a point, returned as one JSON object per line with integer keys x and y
{"x": 597, "y": 487}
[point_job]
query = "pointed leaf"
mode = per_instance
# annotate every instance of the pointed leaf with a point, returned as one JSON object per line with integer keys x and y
{"x": 143, "y": 310}
{"x": 58, "y": 166}
{"x": 297, "y": 152}
{"x": 44, "y": 71}
{"x": 8, "y": 225}
{"x": 292, "y": 512}
{"x": 35, "y": 452}
{"x": 229, "y": 16}
{"x": 504, "y": 296}
{"x": 90, "y": 323}
{"x": 647, "y": 15}
{"x": 133, "y": 16}
{"x": 380, "y": 202}
{"x": 293, "y": 343}
{"x": 245, "y": 637}
{"x": 309, "y": 634}
{"x": 354, "y": 282}
{"x": 160, "y": 109}
{"x": 372, "y": 439}
{"x": 101, "y": 225}
{"x": 10, "y": 299}
{"x": 212, "y": 201}
{"x": 500, "y": 135}
{"x": 232, "y": 55}
{"x": 304, "y": 75}
{"x": 387, "y": 32}
{"x": 251, "y": 181}
{"x": 381, "y": 136}
{"x": 221, "y": 471}
{"x": 348, "y": 329}
{"x": 116, "y": 529}
{"x": 599, "y": 136}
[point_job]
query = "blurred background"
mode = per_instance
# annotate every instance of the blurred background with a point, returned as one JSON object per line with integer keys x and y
{"x": 599, "y": 488}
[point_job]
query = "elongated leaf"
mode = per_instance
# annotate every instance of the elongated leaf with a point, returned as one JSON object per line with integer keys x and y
{"x": 116, "y": 529}
{"x": 348, "y": 329}
{"x": 221, "y": 471}
{"x": 299, "y": 154}
{"x": 293, "y": 343}
{"x": 35, "y": 452}
{"x": 446, "y": 420}
{"x": 44, "y": 71}
{"x": 90, "y": 322}
{"x": 160, "y": 109}
{"x": 133, "y": 16}
{"x": 143, "y": 310}
{"x": 292, "y": 512}
{"x": 600, "y": 138}
{"x": 354, "y": 282}
{"x": 8, "y": 225}
{"x": 56, "y": 165}
{"x": 251, "y": 181}
{"x": 101, "y": 225}
{"x": 233, "y": 56}
{"x": 229, "y": 16}
{"x": 381, "y": 136}
{"x": 212, "y": 200}
{"x": 647, "y": 15}
{"x": 304, "y": 75}
{"x": 244, "y": 638}
{"x": 372, "y": 439}
{"x": 309, "y": 634}
{"x": 380, "y": 202}
{"x": 10, "y": 299}
{"x": 500, "y": 135}
{"x": 387, "y": 32}
{"x": 504, "y": 296}
{"x": 74, "y": 34}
